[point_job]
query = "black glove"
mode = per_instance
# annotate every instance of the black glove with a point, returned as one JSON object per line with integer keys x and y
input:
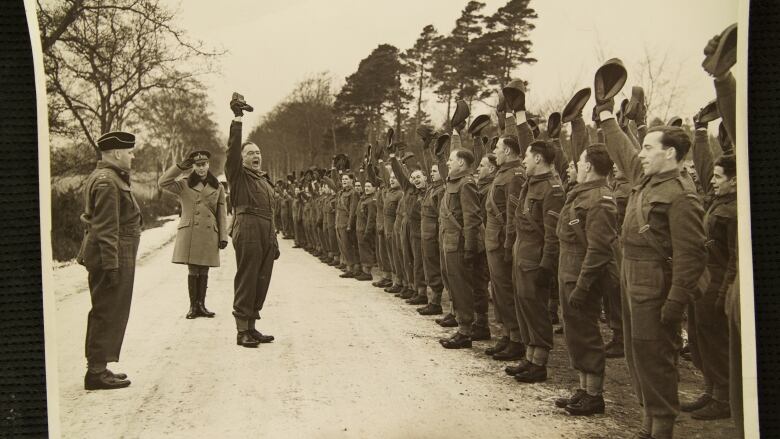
{"x": 222, "y": 245}
{"x": 113, "y": 277}
{"x": 578, "y": 299}
{"x": 507, "y": 255}
{"x": 277, "y": 253}
{"x": 712, "y": 44}
{"x": 608, "y": 105}
{"x": 672, "y": 312}
{"x": 186, "y": 164}
{"x": 236, "y": 107}
{"x": 543, "y": 277}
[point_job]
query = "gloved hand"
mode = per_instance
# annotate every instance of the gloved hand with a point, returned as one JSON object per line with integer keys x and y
{"x": 113, "y": 277}
{"x": 712, "y": 44}
{"x": 222, "y": 245}
{"x": 277, "y": 253}
{"x": 543, "y": 277}
{"x": 235, "y": 106}
{"x": 507, "y": 255}
{"x": 578, "y": 299}
{"x": 672, "y": 312}
{"x": 186, "y": 164}
{"x": 608, "y": 105}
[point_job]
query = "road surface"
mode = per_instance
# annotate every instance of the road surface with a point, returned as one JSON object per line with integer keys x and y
{"x": 349, "y": 361}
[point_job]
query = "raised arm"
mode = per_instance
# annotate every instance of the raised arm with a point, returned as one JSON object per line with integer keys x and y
{"x": 222, "y": 215}
{"x": 168, "y": 181}
{"x": 621, "y": 150}
{"x": 233, "y": 160}
{"x": 726, "y": 93}
{"x": 702, "y": 159}
{"x": 400, "y": 173}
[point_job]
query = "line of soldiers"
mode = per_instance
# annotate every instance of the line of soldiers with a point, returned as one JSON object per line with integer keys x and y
{"x": 531, "y": 223}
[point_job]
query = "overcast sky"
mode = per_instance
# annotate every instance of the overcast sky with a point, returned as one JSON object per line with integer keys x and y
{"x": 272, "y": 45}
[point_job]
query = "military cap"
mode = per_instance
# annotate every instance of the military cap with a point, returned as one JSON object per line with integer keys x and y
{"x": 533, "y": 124}
{"x": 478, "y": 124}
{"x": 621, "y": 113}
{"x": 675, "y": 121}
{"x": 461, "y": 113}
{"x": 390, "y": 134}
{"x": 575, "y": 105}
{"x": 427, "y": 134}
{"x": 609, "y": 80}
{"x": 116, "y": 140}
{"x": 396, "y": 148}
{"x": 493, "y": 143}
{"x": 708, "y": 113}
{"x": 441, "y": 143}
{"x": 554, "y": 125}
{"x": 514, "y": 95}
{"x": 406, "y": 156}
{"x": 720, "y": 59}
{"x": 636, "y": 105}
{"x": 341, "y": 162}
{"x": 200, "y": 156}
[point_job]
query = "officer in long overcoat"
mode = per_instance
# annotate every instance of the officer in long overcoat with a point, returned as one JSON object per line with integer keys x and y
{"x": 202, "y": 229}
{"x": 108, "y": 251}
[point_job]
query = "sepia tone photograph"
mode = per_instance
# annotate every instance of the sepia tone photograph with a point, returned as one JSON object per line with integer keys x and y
{"x": 508, "y": 219}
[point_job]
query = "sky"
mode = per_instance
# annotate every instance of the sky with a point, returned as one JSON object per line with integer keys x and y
{"x": 273, "y": 45}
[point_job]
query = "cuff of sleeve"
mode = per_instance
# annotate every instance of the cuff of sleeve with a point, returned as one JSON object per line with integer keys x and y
{"x": 610, "y": 126}
{"x": 682, "y": 295}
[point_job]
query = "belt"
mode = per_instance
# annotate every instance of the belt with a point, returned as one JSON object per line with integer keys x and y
{"x": 250, "y": 210}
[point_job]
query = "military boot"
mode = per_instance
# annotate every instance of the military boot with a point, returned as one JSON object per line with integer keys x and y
{"x": 714, "y": 410}
{"x": 696, "y": 404}
{"x": 430, "y": 309}
{"x": 522, "y": 366}
{"x": 534, "y": 374}
{"x": 245, "y": 339}
{"x": 406, "y": 294}
{"x": 586, "y": 406}
{"x": 393, "y": 289}
{"x": 418, "y": 299}
{"x": 348, "y": 274}
{"x": 573, "y": 399}
{"x": 514, "y": 351}
{"x": 500, "y": 345}
{"x": 457, "y": 341}
{"x": 480, "y": 332}
{"x": 203, "y": 284}
{"x": 364, "y": 277}
{"x": 257, "y": 335}
{"x": 192, "y": 284}
{"x": 447, "y": 321}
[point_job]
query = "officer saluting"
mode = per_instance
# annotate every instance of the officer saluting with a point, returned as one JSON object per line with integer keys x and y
{"x": 253, "y": 234}
{"x": 108, "y": 251}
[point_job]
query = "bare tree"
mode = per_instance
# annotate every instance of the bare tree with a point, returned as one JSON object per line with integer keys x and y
{"x": 659, "y": 75}
{"x": 109, "y": 54}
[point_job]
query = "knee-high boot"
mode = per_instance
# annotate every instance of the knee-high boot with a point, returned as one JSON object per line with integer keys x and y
{"x": 193, "y": 285}
{"x": 203, "y": 282}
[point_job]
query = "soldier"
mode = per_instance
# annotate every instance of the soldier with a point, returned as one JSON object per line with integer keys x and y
{"x": 663, "y": 258}
{"x": 202, "y": 230}
{"x": 429, "y": 233}
{"x": 413, "y": 186}
{"x": 366, "y": 231}
{"x": 535, "y": 256}
{"x": 499, "y": 240}
{"x": 108, "y": 252}
{"x": 621, "y": 189}
{"x": 486, "y": 172}
{"x": 253, "y": 238}
{"x": 460, "y": 232}
{"x": 385, "y": 264}
{"x": 392, "y": 199}
{"x": 587, "y": 234}
{"x": 345, "y": 224}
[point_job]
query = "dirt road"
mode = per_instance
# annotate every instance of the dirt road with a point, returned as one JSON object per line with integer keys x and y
{"x": 349, "y": 361}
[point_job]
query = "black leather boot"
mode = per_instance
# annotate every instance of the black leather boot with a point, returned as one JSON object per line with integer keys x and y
{"x": 586, "y": 406}
{"x": 573, "y": 399}
{"x": 500, "y": 345}
{"x": 534, "y": 374}
{"x": 203, "y": 284}
{"x": 514, "y": 351}
{"x": 192, "y": 284}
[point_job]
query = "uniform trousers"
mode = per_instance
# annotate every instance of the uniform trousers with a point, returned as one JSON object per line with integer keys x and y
{"x": 735, "y": 356}
{"x": 531, "y": 309}
{"x": 256, "y": 249}
{"x": 480, "y": 285}
{"x": 503, "y": 292}
{"x": 460, "y": 279}
{"x": 432, "y": 269}
{"x": 107, "y": 319}
{"x": 651, "y": 347}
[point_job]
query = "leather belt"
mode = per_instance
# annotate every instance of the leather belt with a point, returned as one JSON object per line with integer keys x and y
{"x": 250, "y": 210}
